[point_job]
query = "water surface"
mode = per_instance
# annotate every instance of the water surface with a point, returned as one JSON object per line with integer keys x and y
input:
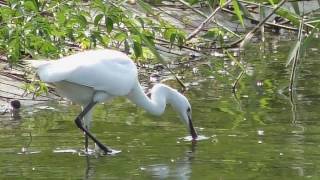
{"x": 259, "y": 133}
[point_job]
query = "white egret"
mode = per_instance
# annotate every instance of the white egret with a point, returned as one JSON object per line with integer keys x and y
{"x": 96, "y": 76}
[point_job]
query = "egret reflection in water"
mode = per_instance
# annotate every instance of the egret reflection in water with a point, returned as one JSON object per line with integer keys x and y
{"x": 179, "y": 168}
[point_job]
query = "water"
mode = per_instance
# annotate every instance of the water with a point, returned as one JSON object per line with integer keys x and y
{"x": 257, "y": 134}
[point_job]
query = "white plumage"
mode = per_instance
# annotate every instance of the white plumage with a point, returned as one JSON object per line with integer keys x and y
{"x": 96, "y": 76}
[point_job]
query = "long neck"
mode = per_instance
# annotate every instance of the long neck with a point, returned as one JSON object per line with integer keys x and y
{"x": 154, "y": 105}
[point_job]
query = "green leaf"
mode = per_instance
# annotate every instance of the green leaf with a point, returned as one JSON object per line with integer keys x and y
{"x": 293, "y": 52}
{"x": 36, "y": 4}
{"x": 105, "y": 40}
{"x": 120, "y": 36}
{"x": 32, "y": 5}
{"x": 82, "y": 20}
{"x": 307, "y": 41}
{"x": 97, "y": 19}
{"x": 146, "y": 41}
{"x": 167, "y": 33}
{"x": 148, "y": 34}
{"x": 14, "y": 49}
{"x": 152, "y": 48}
{"x": 237, "y": 11}
{"x": 192, "y": 2}
{"x": 271, "y": 2}
{"x": 213, "y": 33}
{"x": 61, "y": 17}
{"x": 173, "y": 37}
{"x": 137, "y": 48}
{"x": 97, "y": 35}
{"x": 244, "y": 10}
{"x": 109, "y": 24}
{"x": 141, "y": 21}
{"x": 100, "y": 5}
{"x": 181, "y": 39}
{"x": 222, "y": 2}
{"x": 136, "y": 38}
{"x": 284, "y": 13}
{"x": 146, "y": 7}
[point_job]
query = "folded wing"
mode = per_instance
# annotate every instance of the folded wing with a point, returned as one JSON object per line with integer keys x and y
{"x": 104, "y": 70}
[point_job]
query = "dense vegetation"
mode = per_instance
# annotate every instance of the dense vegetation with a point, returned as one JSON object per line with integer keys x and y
{"x": 51, "y": 29}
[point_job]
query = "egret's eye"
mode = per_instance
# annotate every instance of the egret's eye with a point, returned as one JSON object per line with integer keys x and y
{"x": 188, "y": 110}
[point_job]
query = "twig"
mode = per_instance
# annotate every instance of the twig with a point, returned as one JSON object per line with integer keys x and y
{"x": 193, "y": 9}
{"x": 267, "y": 23}
{"x": 262, "y": 5}
{"x": 205, "y": 16}
{"x": 262, "y": 14}
{"x": 249, "y": 35}
{"x": 195, "y": 32}
{"x": 190, "y": 26}
{"x": 184, "y": 47}
{"x": 236, "y": 82}
{"x": 295, "y": 60}
{"x": 168, "y": 51}
{"x": 256, "y": 4}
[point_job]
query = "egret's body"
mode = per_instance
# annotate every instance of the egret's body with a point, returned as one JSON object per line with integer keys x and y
{"x": 97, "y": 76}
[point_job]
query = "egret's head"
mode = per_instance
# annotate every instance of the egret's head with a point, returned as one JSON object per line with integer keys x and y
{"x": 181, "y": 104}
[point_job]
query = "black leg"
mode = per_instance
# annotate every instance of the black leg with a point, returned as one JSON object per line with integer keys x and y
{"x": 87, "y": 133}
{"x": 86, "y": 138}
{"x": 86, "y": 141}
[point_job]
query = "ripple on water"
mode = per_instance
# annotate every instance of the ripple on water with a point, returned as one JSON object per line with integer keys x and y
{"x": 45, "y": 108}
{"x": 73, "y": 151}
{"x": 90, "y": 152}
{"x": 26, "y": 151}
{"x": 199, "y": 138}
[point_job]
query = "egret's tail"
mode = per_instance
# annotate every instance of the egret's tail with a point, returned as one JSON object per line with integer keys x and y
{"x": 37, "y": 63}
{"x": 40, "y": 67}
{"x": 47, "y": 70}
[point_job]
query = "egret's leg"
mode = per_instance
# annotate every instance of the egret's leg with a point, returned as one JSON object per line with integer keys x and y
{"x": 86, "y": 142}
{"x": 79, "y": 124}
{"x": 86, "y": 120}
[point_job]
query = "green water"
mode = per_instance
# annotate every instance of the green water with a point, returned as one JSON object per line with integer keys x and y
{"x": 257, "y": 134}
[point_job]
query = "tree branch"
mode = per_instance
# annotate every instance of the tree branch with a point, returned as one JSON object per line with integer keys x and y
{"x": 249, "y": 35}
{"x": 195, "y": 32}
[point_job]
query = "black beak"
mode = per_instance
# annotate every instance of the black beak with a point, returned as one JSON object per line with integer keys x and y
{"x": 193, "y": 132}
